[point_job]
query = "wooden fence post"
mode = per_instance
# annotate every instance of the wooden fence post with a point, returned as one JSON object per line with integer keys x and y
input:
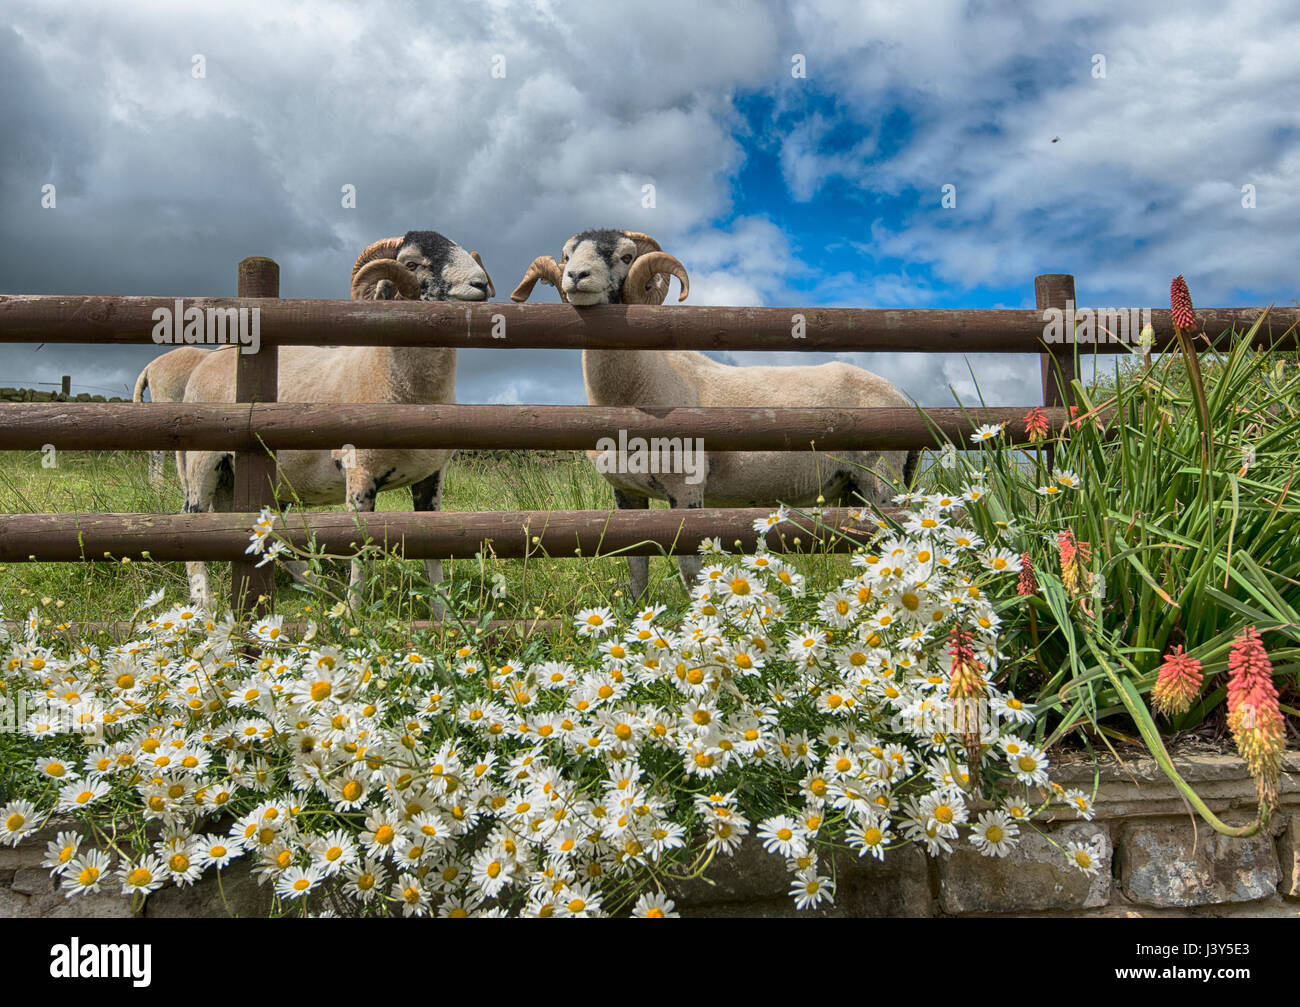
{"x": 256, "y": 380}
{"x": 1056, "y": 290}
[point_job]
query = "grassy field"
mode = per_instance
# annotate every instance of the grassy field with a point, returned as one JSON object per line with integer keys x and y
{"x": 549, "y": 587}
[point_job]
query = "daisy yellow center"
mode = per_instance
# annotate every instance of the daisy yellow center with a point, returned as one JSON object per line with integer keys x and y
{"x": 88, "y": 875}
{"x": 873, "y": 836}
{"x": 994, "y": 833}
{"x": 179, "y": 863}
{"x": 740, "y": 586}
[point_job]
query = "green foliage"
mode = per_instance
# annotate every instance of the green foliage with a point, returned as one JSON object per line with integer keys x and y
{"x": 1188, "y": 536}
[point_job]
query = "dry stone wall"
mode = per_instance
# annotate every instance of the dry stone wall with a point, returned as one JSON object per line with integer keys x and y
{"x": 1155, "y": 860}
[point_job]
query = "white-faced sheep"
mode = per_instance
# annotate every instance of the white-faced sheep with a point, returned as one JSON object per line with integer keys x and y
{"x": 423, "y": 265}
{"x": 165, "y": 377}
{"x": 613, "y": 267}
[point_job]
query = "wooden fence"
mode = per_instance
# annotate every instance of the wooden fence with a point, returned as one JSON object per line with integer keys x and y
{"x": 256, "y": 423}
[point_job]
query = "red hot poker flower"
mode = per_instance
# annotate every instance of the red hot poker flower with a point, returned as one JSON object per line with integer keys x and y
{"x": 1028, "y": 582}
{"x": 1036, "y": 423}
{"x": 1178, "y": 683}
{"x": 1180, "y": 303}
{"x": 1253, "y": 713}
{"x": 1072, "y": 551}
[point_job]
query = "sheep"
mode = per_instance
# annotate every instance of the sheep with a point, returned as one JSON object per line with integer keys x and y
{"x": 423, "y": 265}
{"x": 165, "y": 377}
{"x": 628, "y": 267}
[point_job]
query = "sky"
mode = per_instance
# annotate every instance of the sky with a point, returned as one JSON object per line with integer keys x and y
{"x": 798, "y": 155}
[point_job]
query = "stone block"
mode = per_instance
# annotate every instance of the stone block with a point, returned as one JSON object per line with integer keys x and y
{"x": 756, "y": 883}
{"x": 1033, "y": 877}
{"x": 238, "y": 894}
{"x": 1170, "y": 863}
{"x": 1288, "y": 855}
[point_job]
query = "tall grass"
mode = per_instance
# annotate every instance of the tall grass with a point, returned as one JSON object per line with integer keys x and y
{"x": 396, "y": 590}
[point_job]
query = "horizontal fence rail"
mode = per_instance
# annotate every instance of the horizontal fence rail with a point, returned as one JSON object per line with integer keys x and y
{"x": 256, "y": 423}
{"x": 288, "y": 322}
{"x": 431, "y": 535}
{"x": 280, "y": 425}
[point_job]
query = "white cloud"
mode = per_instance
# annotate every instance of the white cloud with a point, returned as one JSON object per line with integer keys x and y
{"x": 165, "y": 181}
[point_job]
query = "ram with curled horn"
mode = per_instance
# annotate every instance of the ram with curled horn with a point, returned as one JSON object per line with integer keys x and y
{"x": 421, "y": 265}
{"x": 629, "y": 267}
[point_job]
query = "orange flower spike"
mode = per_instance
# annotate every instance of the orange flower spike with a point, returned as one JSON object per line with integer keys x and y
{"x": 1036, "y": 423}
{"x": 1178, "y": 683}
{"x": 1253, "y": 713}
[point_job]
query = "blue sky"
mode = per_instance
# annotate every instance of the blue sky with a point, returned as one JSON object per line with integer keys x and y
{"x": 772, "y": 189}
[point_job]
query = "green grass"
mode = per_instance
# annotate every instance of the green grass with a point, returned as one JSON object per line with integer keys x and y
{"x": 551, "y": 587}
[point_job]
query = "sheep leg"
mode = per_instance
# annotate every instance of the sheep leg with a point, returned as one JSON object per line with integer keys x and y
{"x": 202, "y": 483}
{"x": 426, "y": 495}
{"x": 638, "y": 566}
{"x": 359, "y": 497}
{"x": 689, "y": 566}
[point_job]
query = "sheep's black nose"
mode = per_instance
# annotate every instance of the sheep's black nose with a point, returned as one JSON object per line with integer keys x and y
{"x": 580, "y": 275}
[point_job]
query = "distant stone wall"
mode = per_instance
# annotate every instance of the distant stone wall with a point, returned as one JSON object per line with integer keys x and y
{"x": 1156, "y": 860}
{"x": 32, "y": 395}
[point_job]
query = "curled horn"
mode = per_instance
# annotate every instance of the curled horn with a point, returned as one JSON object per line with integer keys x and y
{"x": 647, "y": 280}
{"x": 544, "y": 268}
{"x": 644, "y": 243}
{"x": 491, "y": 291}
{"x": 384, "y": 249}
{"x": 384, "y": 279}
